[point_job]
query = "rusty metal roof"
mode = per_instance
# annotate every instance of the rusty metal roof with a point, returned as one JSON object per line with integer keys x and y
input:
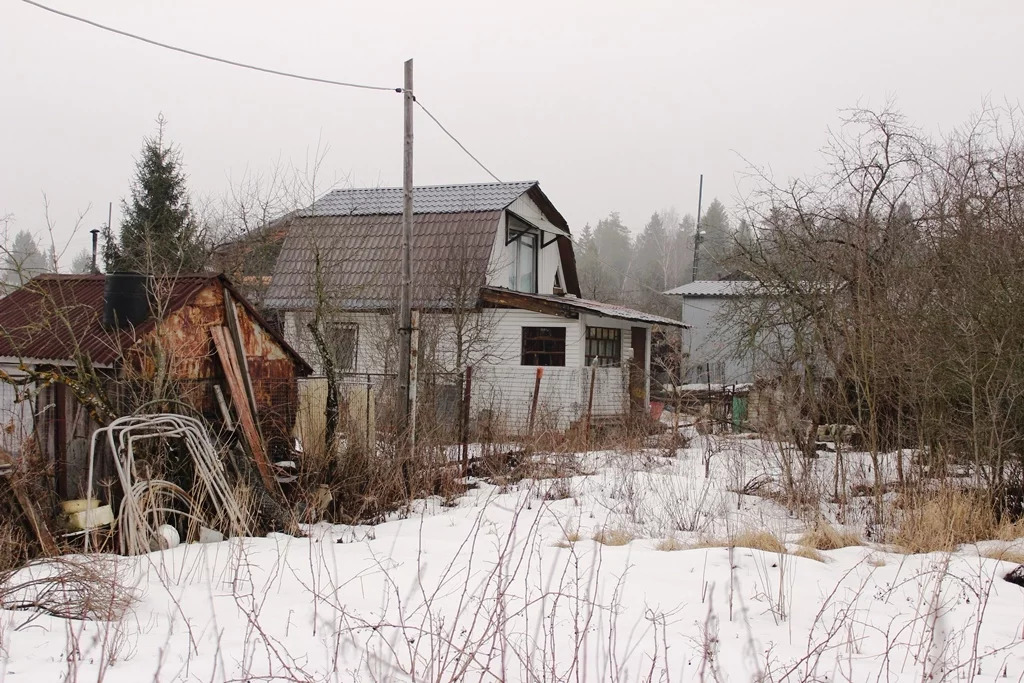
{"x": 571, "y": 305}
{"x": 59, "y": 318}
{"x": 382, "y": 201}
{"x": 360, "y": 260}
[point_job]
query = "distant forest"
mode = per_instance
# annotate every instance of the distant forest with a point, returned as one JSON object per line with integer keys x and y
{"x": 616, "y": 267}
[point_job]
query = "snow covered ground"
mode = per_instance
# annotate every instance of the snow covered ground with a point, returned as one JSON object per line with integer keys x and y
{"x": 509, "y": 584}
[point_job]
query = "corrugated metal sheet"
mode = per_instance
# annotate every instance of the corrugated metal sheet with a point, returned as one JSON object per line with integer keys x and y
{"x": 551, "y": 302}
{"x": 360, "y": 260}
{"x": 59, "y": 318}
{"x": 427, "y": 199}
{"x": 713, "y": 288}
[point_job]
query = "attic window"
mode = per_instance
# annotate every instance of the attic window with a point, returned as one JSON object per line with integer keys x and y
{"x": 544, "y": 346}
{"x": 523, "y": 241}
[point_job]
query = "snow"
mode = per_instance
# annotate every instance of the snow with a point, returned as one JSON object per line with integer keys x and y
{"x": 508, "y": 584}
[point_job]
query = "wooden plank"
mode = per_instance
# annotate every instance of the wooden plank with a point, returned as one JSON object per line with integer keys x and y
{"x": 231, "y": 316}
{"x": 226, "y": 352}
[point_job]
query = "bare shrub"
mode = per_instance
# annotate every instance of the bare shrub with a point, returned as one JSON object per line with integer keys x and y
{"x": 84, "y": 588}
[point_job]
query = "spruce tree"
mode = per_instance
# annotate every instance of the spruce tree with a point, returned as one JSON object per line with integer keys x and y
{"x": 159, "y": 234}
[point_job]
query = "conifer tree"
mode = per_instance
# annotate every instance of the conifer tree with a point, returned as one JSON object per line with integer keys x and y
{"x": 159, "y": 233}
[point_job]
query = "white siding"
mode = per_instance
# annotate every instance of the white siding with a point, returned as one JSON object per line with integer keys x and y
{"x": 503, "y": 386}
{"x": 370, "y": 347}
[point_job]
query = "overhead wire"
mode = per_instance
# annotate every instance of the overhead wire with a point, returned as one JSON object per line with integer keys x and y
{"x": 212, "y": 58}
{"x": 312, "y": 79}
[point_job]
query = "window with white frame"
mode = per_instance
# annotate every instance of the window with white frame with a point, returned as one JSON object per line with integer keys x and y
{"x": 523, "y": 241}
{"x": 604, "y": 344}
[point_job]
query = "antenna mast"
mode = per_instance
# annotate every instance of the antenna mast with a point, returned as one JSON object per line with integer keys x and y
{"x": 697, "y": 235}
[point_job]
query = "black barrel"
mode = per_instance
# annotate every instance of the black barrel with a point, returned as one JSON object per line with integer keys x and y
{"x": 125, "y": 299}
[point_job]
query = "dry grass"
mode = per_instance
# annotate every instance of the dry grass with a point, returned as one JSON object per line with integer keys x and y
{"x": 809, "y": 553}
{"x": 1005, "y": 554}
{"x": 824, "y": 536}
{"x": 613, "y": 537}
{"x": 670, "y": 544}
{"x": 939, "y": 521}
{"x": 758, "y": 540}
{"x": 571, "y": 536}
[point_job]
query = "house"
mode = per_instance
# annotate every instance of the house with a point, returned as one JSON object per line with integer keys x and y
{"x": 712, "y": 356}
{"x": 81, "y": 349}
{"x": 495, "y": 282}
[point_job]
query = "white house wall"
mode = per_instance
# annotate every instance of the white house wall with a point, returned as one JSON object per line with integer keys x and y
{"x": 709, "y": 345}
{"x": 504, "y": 388}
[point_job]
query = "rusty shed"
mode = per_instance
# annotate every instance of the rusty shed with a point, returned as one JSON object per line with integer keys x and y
{"x": 86, "y": 348}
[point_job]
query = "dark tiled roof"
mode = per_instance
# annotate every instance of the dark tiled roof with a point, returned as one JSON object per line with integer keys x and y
{"x": 426, "y": 199}
{"x": 59, "y": 318}
{"x": 360, "y": 257}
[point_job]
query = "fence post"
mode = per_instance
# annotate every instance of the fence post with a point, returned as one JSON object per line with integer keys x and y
{"x": 369, "y": 439}
{"x": 533, "y": 404}
{"x": 414, "y": 371}
{"x": 590, "y": 400}
{"x": 467, "y": 394}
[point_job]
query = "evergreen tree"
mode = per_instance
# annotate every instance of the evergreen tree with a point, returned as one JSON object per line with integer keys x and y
{"x": 23, "y": 260}
{"x": 159, "y": 233}
{"x": 715, "y": 243}
{"x": 81, "y": 264}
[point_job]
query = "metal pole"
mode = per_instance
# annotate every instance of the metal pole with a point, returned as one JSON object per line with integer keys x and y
{"x": 533, "y": 405}
{"x": 405, "y": 303}
{"x": 696, "y": 236}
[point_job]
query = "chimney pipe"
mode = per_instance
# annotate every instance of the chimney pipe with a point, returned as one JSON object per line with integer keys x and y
{"x": 95, "y": 232}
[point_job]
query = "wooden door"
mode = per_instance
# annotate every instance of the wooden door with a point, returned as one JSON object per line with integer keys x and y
{"x": 638, "y": 371}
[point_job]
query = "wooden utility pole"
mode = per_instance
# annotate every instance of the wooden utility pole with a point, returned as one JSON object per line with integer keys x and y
{"x": 405, "y": 303}
{"x": 696, "y": 236}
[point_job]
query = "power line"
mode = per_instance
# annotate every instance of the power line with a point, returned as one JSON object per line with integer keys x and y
{"x": 211, "y": 58}
{"x": 456, "y": 140}
{"x": 312, "y": 79}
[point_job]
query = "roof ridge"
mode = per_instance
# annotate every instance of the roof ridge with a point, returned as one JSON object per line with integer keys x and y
{"x": 394, "y": 188}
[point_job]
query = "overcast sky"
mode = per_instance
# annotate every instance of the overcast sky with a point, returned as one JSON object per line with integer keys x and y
{"x": 611, "y": 105}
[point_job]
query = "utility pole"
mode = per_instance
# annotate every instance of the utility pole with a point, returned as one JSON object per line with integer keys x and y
{"x": 696, "y": 236}
{"x": 405, "y": 302}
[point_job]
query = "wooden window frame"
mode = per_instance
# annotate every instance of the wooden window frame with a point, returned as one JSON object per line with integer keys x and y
{"x": 540, "y": 346}
{"x": 333, "y": 339}
{"x": 604, "y": 344}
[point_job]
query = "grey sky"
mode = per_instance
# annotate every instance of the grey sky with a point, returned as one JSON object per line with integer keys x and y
{"x": 611, "y": 105}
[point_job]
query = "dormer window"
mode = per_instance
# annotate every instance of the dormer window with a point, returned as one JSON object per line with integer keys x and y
{"x": 523, "y": 241}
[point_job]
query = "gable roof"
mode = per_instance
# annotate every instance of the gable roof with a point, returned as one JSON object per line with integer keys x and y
{"x": 56, "y": 318}
{"x": 378, "y": 201}
{"x": 357, "y": 236}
